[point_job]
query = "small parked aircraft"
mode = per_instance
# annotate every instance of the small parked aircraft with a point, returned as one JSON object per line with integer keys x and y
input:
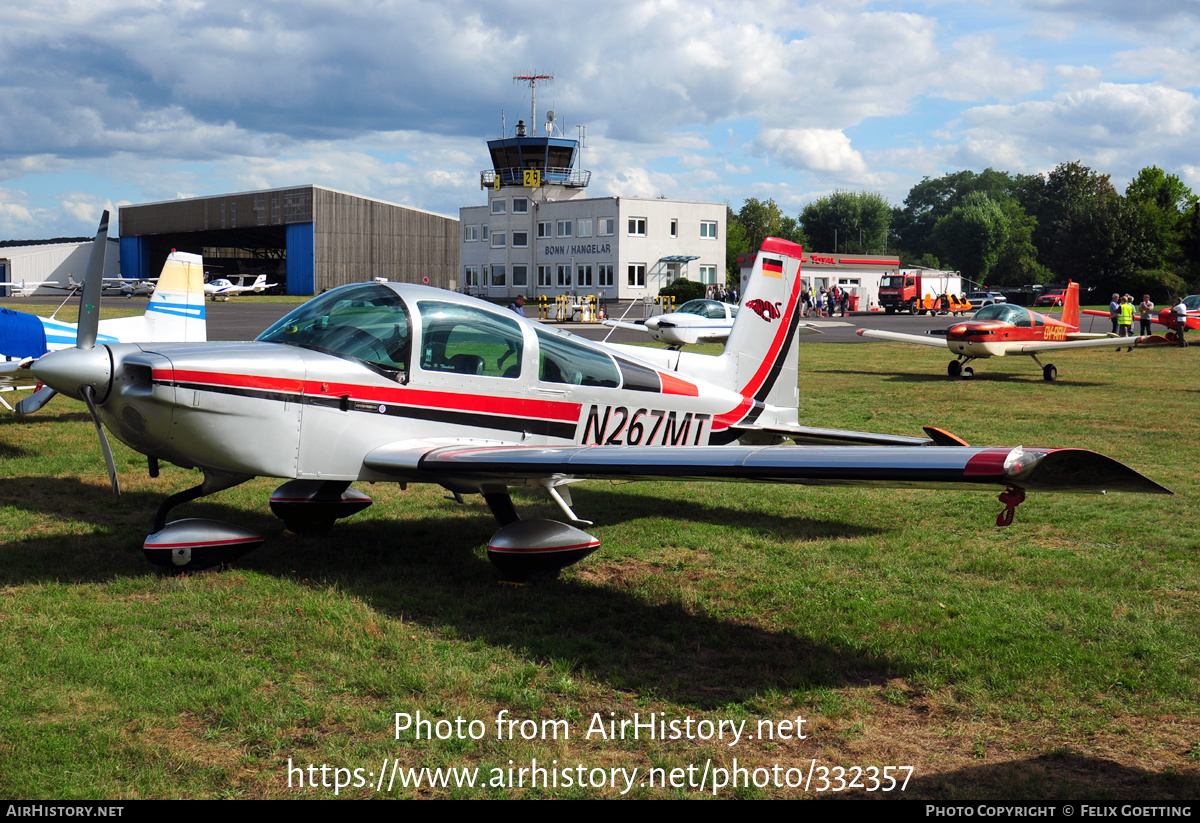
{"x": 1167, "y": 317}
{"x": 696, "y": 321}
{"x": 175, "y": 313}
{"x": 390, "y": 382}
{"x": 1003, "y": 329}
{"x": 223, "y": 288}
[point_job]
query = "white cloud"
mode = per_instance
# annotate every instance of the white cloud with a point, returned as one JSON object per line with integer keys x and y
{"x": 1116, "y": 127}
{"x": 974, "y": 70}
{"x": 822, "y": 150}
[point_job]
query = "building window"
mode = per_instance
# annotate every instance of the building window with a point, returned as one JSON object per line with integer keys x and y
{"x": 564, "y": 228}
{"x": 584, "y": 275}
{"x": 708, "y": 275}
{"x": 520, "y": 239}
{"x": 498, "y": 206}
{"x": 497, "y": 275}
{"x": 708, "y": 229}
{"x": 520, "y": 206}
{"x": 483, "y": 233}
{"x": 520, "y": 276}
{"x": 544, "y": 229}
{"x": 545, "y": 276}
{"x": 606, "y": 274}
{"x": 637, "y": 226}
{"x": 637, "y": 275}
{"x": 498, "y": 239}
{"x": 583, "y": 227}
{"x": 564, "y": 275}
{"x": 471, "y": 234}
{"x": 471, "y": 277}
{"x": 674, "y": 228}
{"x": 606, "y": 226}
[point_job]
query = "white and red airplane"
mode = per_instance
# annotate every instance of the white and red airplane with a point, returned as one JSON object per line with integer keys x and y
{"x": 389, "y": 382}
{"x": 1002, "y": 329}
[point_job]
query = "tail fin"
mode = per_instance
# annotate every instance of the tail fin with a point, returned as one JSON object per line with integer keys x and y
{"x": 176, "y": 310}
{"x": 1070, "y": 312}
{"x": 260, "y": 283}
{"x": 760, "y": 361}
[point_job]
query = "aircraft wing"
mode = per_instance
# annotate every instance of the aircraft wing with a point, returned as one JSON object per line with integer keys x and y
{"x": 919, "y": 339}
{"x": 476, "y": 464}
{"x": 622, "y": 324}
{"x": 1102, "y": 342}
{"x": 12, "y": 376}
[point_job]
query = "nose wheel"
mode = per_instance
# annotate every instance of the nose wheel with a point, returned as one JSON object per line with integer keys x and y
{"x": 954, "y": 369}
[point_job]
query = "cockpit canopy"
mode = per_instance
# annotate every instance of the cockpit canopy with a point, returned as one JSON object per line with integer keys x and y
{"x": 1006, "y": 313}
{"x": 368, "y": 323}
{"x": 712, "y": 309}
{"x": 371, "y": 324}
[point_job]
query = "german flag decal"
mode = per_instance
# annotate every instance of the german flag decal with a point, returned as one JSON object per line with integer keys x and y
{"x": 772, "y": 268}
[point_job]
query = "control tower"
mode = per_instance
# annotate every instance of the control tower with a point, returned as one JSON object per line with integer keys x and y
{"x": 530, "y": 161}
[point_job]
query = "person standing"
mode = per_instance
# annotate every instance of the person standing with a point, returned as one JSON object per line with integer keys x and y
{"x": 1114, "y": 309}
{"x": 1125, "y": 317}
{"x": 1145, "y": 308}
{"x": 1181, "y": 314}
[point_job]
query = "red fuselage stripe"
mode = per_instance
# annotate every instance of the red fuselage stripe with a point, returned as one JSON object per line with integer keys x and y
{"x": 489, "y": 404}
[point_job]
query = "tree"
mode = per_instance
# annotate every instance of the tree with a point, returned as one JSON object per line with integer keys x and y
{"x": 934, "y": 198}
{"x": 1153, "y": 219}
{"x": 848, "y": 221}
{"x": 972, "y": 235}
{"x": 1079, "y": 228}
{"x": 756, "y": 221}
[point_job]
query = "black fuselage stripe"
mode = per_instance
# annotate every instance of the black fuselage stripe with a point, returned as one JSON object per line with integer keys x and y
{"x": 783, "y": 356}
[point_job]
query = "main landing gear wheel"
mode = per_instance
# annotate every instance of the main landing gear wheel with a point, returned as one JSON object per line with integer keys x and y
{"x": 954, "y": 369}
{"x": 310, "y": 507}
{"x": 968, "y": 373}
{"x": 1049, "y": 373}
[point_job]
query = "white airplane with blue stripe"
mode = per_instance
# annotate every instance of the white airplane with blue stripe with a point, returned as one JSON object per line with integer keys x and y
{"x": 175, "y": 313}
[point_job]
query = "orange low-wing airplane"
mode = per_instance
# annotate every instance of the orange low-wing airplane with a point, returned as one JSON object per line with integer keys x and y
{"x": 1002, "y": 329}
{"x": 1167, "y": 318}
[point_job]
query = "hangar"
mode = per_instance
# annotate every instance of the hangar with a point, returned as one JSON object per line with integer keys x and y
{"x": 307, "y": 238}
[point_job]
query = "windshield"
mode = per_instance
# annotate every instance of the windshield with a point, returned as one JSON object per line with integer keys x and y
{"x": 364, "y": 322}
{"x": 712, "y": 309}
{"x": 1005, "y": 313}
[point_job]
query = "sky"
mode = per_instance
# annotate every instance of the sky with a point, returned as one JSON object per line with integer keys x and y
{"x": 104, "y": 104}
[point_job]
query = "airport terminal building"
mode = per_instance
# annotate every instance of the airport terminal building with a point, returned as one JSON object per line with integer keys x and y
{"x": 540, "y": 234}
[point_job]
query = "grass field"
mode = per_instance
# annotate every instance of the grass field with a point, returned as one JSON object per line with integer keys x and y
{"x": 1053, "y": 659}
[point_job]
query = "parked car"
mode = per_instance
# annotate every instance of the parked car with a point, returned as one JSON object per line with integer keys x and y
{"x": 986, "y": 298}
{"x": 1054, "y": 297}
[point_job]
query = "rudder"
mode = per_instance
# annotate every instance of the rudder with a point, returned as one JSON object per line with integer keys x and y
{"x": 1070, "y": 312}
{"x": 176, "y": 311}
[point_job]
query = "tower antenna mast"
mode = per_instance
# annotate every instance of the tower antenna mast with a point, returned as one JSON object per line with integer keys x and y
{"x": 533, "y": 80}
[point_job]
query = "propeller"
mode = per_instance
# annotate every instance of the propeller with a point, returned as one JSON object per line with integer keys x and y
{"x": 78, "y": 371}
{"x": 89, "y": 316}
{"x": 35, "y": 401}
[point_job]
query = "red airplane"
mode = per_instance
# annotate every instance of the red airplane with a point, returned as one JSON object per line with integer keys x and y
{"x": 1003, "y": 329}
{"x": 1167, "y": 318}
